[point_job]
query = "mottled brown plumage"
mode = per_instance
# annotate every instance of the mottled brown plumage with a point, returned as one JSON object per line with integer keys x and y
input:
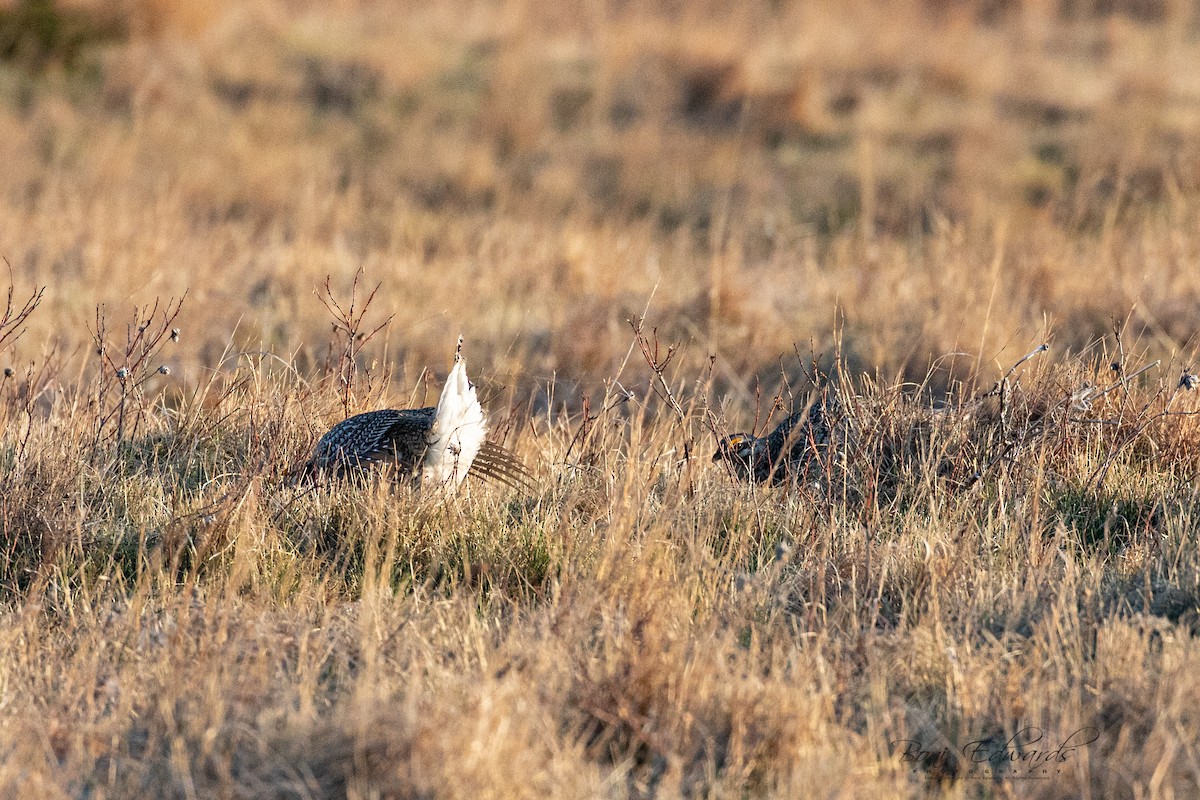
{"x": 388, "y": 436}
{"x": 793, "y": 450}
{"x": 399, "y": 437}
{"x": 435, "y": 446}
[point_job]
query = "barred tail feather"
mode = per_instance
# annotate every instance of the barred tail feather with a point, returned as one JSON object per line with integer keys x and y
{"x": 500, "y": 464}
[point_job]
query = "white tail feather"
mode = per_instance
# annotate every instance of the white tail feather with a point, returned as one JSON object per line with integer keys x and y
{"x": 459, "y": 428}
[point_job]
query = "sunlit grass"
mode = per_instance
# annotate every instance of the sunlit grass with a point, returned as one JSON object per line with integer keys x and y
{"x": 907, "y": 197}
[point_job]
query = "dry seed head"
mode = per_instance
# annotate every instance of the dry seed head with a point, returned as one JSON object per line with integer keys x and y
{"x": 8, "y": 372}
{"x": 1081, "y": 400}
{"x": 174, "y": 334}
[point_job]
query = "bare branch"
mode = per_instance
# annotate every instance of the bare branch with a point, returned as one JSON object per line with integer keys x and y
{"x": 348, "y": 320}
{"x": 12, "y": 320}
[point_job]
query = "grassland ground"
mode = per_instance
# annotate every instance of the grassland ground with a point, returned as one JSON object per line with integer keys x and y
{"x": 655, "y": 223}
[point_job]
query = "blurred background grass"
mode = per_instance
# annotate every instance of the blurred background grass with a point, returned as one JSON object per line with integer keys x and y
{"x": 921, "y": 178}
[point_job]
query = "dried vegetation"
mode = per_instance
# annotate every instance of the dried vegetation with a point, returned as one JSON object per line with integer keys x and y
{"x": 654, "y": 222}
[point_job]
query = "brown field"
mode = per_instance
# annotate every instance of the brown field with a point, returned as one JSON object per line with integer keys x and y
{"x": 992, "y": 590}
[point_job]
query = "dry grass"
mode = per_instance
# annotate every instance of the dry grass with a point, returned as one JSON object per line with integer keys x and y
{"x": 908, "y": 195}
